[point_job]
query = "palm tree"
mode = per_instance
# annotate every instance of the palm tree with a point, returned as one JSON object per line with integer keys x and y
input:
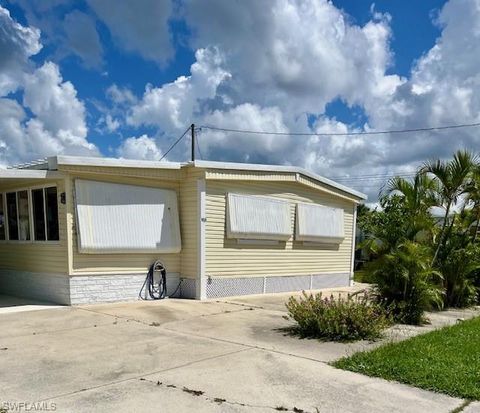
{"x": 452, "y": 179}
{"x": 473, "y": 200}
{"x": 418, "y": 196}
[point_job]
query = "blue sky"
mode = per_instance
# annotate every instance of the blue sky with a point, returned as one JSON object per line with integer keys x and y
{"x": 103, "y": 78}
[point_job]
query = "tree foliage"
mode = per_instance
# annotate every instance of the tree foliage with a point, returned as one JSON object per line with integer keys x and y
{"x": 421, "y": 260}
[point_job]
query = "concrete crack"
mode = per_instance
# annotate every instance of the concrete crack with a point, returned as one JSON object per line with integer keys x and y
{"x": 219, "y": 400}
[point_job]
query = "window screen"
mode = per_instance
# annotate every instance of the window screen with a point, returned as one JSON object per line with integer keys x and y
{"x": 23, "y": 216}
{"x": 51, "y": 213}
{"x": 2, "y": 219}
{"x": 12, "y": 216}
{"x": 257, "y": 217}
{"x": 318, "y": 223}
{"x": 38, "y": 215}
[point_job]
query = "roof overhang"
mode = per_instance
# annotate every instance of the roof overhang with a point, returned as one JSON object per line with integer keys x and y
{"x": 55, "y": 161}
{"x": 279, "y": 168}
{"x": 29, "y": 174}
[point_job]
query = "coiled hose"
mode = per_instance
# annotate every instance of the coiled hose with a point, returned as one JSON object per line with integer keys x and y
{"x": 155, "y": 291}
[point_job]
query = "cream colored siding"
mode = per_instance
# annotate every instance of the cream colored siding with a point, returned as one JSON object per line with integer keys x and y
{"x": 226, "y": 257}
{"x": 189, "y": 222}
{"x": 124, "y": 263}
{"x": 37, "y": 256}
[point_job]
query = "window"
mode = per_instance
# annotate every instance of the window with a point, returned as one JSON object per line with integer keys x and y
{"x": 51, "y": 203}
{"x": 2, "y": 219}
{"x": 39, "y": 232}
{"x": 23, "y": 216}
{"x": 318, "y": 223}
{"x": 115, "y": 218}
{"x": 12, "y": 216}
{"x": 45, "y": 214}
{"x": 258, "y": 217}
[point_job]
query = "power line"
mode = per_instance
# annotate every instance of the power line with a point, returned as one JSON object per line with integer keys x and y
{"x": 383, "y": 132}
{"x": 175, "y": 143}
{"x": 198, "y": 147}
{"x": 379, "y": 178}
{"x": 382, "y": 175}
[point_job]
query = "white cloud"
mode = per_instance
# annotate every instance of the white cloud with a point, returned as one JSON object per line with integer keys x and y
{"x": 54, "y": 102}
{"x": 120, "y": 95}
{"x": 142, "y": 147}
{"x": 138, "y": 26}
{"x": 444, "y": 89}
{"x": 297, "y": 55}
{"x": 66, "y": 33}
{"x": 17, "y": 44}
{"x": 82, "y": 38}
{"x": 174, "y": 105}
{"x": 55, "y": 121}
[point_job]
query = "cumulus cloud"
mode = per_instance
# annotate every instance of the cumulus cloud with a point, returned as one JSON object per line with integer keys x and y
{"x": 138, "y": 26}
{"x": 142, "y": 147}
{"x": 17, "y": 44}
{"x": 298, "y": 55}
{"x": 443, "y": 89}
{"x": 82, "y": 38}
{"x": 173, "y": 105}
{"x": 55, "y": 120}
{"x": 67, "y": 32}
{"x": 54, "y": 102}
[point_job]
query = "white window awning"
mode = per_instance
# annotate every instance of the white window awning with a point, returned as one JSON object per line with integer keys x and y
{"x": 318, "y": 223}
{"x": 258, "y": 217}
{"x": 115, "y": 218}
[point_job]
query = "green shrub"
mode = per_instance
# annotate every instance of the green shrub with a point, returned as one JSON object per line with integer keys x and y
{"x": 406, "y": 283}
{"x": 459, "y": 262}
{"x": 338, "y": 319}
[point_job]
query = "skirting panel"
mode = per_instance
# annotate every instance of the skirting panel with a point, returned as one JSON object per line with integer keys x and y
{"x": 231, "y": 286}
{"x": 44, "y": 287}
{"x": 84, "y": 289}
{"x": 117, "y": 287}
{"x": 188, "y": 288}
{"x": 225, "y": 286}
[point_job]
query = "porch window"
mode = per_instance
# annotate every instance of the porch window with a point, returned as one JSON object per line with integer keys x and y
{"x": 2, "y": 219}
{"x": 12, "y": 216}
{"x": 45, "y": 214}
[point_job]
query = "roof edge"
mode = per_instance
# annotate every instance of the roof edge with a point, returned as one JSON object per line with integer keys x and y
{"x": 55, "y": 161}
{"x": 279, "y": 168}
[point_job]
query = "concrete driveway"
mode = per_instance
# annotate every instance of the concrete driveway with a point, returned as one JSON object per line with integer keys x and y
{"x": 180, "y": 355}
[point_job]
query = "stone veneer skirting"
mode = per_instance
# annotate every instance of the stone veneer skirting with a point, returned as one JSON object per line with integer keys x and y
{"x": 87, "y": 289}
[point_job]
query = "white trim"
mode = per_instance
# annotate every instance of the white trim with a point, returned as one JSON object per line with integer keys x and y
{"x": 277, "y": 168}
{"x": 352, "y": 257}
{"x": 247, "y": 241}
{"x": 55, "y": 161}
{"x": 29, "y": 174}
{"x": 201, "y": 292}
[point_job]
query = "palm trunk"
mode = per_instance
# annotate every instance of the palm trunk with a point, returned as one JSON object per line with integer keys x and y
{"x": 477, "y": 226}
{"x": 442, "y": 231}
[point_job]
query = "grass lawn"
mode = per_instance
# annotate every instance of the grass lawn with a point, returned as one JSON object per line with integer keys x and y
{"x": 445, "y": 360}
{"x": 361, "y": 277}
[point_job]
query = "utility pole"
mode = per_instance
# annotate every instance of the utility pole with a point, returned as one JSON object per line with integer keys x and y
{"x": 192, "y": 129}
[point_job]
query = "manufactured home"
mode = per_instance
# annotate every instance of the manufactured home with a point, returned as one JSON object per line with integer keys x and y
{"x": 79, "y": 230}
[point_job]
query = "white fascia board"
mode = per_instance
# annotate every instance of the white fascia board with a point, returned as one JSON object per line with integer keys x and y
{"x": 278, "y": 168}
{"x": 55, "y": 161}
{"x": 29, "y": 174}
